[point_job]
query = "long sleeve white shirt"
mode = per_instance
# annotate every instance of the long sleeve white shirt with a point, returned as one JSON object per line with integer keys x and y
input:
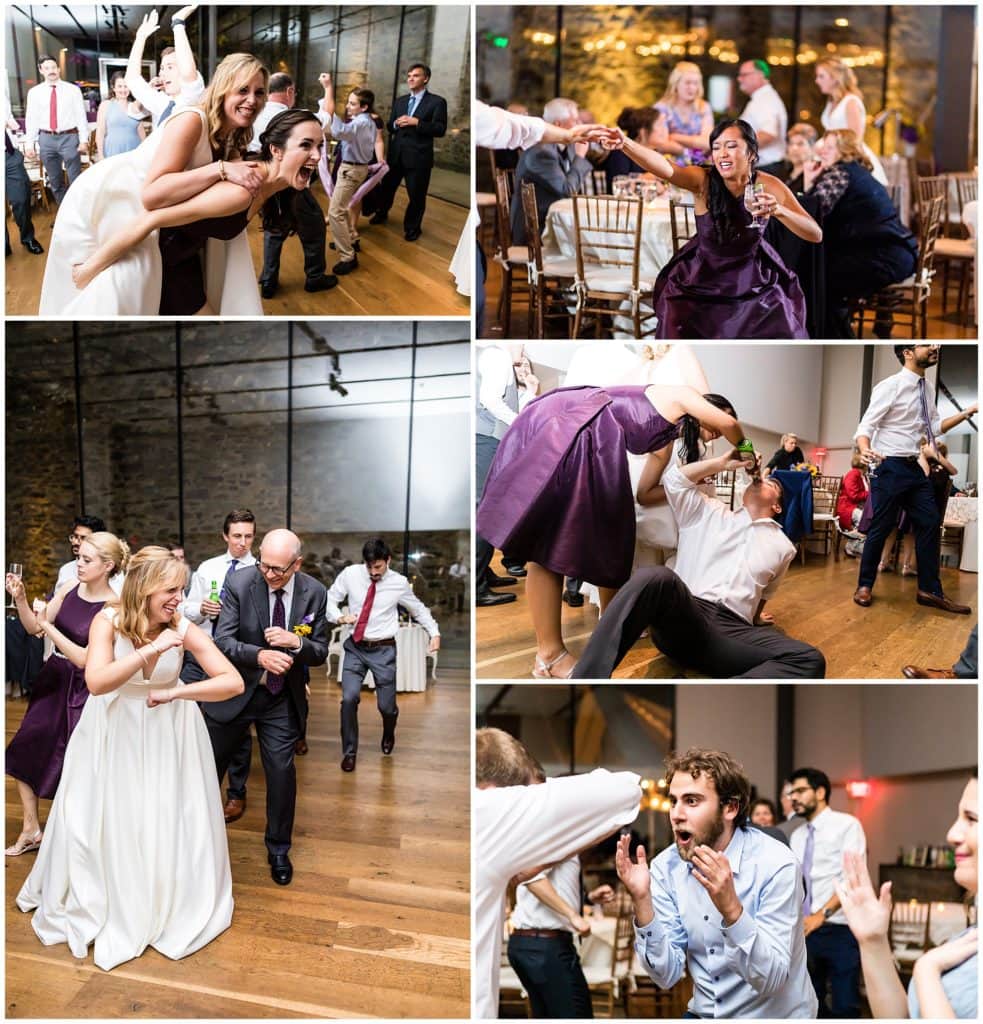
{"x": 893, "y": 419}
{"x": 519, "y": 828}
{"x": 725, "y": 556}
{"x": 498, "y": 129}
{"x": 211, "y": 570}
{"x": 834, "y": 833}
{"x": 71, "y": 111}
{"x": 263, "y": 119}
{"x": 156, "y": 101}
{"x": 352, "y": 584}
{"x": 531, "y": 912}
{"x": 495, "y": 373}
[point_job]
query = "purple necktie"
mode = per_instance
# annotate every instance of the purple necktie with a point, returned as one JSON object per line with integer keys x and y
{"x": 275, "y": 681}
{"x": 807, "y": 869}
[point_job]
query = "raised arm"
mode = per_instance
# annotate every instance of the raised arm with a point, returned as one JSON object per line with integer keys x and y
{"x": 134, "y": 66}
{"x": 787, "y": 209}
{"x": 693, "y": 179}
{"x": 186, "y": 66}
{"x": 328, "y": 103}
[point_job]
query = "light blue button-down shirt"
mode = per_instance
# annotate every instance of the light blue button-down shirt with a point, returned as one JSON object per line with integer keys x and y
{"x": 754, "y": 968}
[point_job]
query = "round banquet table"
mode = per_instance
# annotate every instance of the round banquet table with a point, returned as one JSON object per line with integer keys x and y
{"x": 962, "y": 512}
{"x": 412, "y": 641}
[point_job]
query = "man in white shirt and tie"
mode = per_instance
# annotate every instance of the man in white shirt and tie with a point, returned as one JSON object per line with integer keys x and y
{"x": 238, "y": 531}
{"x": 372, "y": 592}
{"x": 834, "y": 956}
{"x": 708, "y": 612}
{"x": 901, "y": 413}
{"x": 765, "y": 112}
{"x": 56, "y": 126}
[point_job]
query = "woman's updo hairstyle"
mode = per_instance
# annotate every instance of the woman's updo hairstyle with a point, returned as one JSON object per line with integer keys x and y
{"x": 110, "y": 549}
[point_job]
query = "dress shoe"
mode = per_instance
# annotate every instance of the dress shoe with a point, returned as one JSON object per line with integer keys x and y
{"x": 379, "y": 218}
{"x": 494, "y": 580}
{"x": 356, "y": 245}
{"x": 914, "y": 672}
{"x": 300, "y": 747}
{"x": 33, "y": 246}
{"x": 268, "y": 289}
{"x": 515, "y": 570}
{"x": 412, "y": 236}
{"x": 573, "y": 599}
{"x": 485, "y": 598}
{"x": 943, "y": 603}
{"x": 348, "y": 763}
{"x": 320, "y": 284}
{"x": 345, "y": 266}
{"x": 281, "y": 869}
{"x": 234, "y": 809}
{"x": 388, "y": 741}
{"x": 863, "y": 597}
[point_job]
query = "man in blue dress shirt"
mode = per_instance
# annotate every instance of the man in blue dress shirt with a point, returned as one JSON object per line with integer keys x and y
{"x": 724, "y": 902}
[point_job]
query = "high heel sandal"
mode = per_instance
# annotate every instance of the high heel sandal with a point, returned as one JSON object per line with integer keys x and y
{"x": 24, "y": 844}
{"x": 906, "y": 570}
{"x": 543, "y": 669}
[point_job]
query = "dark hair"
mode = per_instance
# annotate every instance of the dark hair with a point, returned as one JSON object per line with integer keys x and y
{"x": 94, "y": 523}
{"x": 420, "y": 64}
{"x": 899, "y": 352}
{"x": 279, "y": 82}
{"x": 366, "y": 98}
{"x": 689, "y": 429}
{"x": 727, "y": 213}
{"x": 771, "y": 807}
{"x": 632, "y": 120}
{"x": 814, "y": 777}
{"x": 115, "y": 77}
{"x": 43, "y": 58}
{"x": 278, "y": 211}
{"x": 376, "y": 550}
{"x": 239, "y": 515}
{"x": 728, "y": 777}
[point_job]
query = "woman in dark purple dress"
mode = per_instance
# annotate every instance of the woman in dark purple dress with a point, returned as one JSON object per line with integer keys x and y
{"x": 727, "y": 281}
{"x": 37, "y": 751}
{"x": 559, "y": 497}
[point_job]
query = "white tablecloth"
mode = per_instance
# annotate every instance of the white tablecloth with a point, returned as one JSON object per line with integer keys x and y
{"x": 963, "y": 512}
{"x": 411, "y": 659}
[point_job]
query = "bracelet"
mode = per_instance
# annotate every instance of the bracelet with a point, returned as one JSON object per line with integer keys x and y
{"x": 222, "y": 176}
{"x": 153, "y": 646}
{"x": 142, "y": 656}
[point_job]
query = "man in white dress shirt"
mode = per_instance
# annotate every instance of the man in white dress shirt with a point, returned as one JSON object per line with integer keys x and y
{"x": 765, "y": 112}
{"x": 83, "y": 527}
{"x": 724, "y": 903}
{"x": 520, "y": 828}
{"x": 708, "y": 612}
{"x": 56, "y": 126}
{"x": 372, "y": 592}
{"x": 834, "y": 956}
{"x": 181, "y": 84}
{"x": 902, "y": 412}
{"x": 238, "y": 532}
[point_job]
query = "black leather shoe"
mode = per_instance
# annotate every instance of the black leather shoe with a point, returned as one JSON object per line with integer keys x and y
{"x": 388, "y": 741}
{"x": 494, "y": 580}
{"x": 345, "y": 266}
{"x": 516, "y": 570}
{"x": 268, "y": 289}
{"x": 486, "y": 598}
{"x": 320, "y": 284}
{"x": 281, "y": 870}
{"x": 348, "y": 763}
{"x": 412, "y": 236}
{"x": 573, "y": 599}
{"x": 379, "y": 218}
{"x": 33, "y": 246}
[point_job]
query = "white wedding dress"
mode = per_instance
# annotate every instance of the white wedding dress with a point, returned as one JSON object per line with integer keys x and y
{"x": 135, "y": 852}
{"x": 835, "y": 117}
{"x": 104, "y": 199}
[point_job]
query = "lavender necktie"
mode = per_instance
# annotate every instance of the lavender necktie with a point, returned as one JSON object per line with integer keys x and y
{"x": 807, "y": 869}
{"x": 275, "y": 681}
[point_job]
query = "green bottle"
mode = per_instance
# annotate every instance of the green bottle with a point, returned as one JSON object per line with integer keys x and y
{"x": 214, "y": 595}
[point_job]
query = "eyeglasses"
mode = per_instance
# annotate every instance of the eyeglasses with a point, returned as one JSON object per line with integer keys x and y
{"x": 274, "y": 570}
{"x": 799, "y": 790}
{"x": 77, "y": 538}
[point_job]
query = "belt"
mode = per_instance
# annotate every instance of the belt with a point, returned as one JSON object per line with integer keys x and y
{"x": 372, "y": 644}
{"x": 543, "y": 933}
{"x": 67, "y": 131}
{"x": 355, "y": 163}
{"x": 902, "y": 458}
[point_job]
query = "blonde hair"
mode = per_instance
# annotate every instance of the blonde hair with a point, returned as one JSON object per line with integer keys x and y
{"x": 110, "y": 549}
{"x": 234, "y": 69}
{"x": 671, "y": 95}
{"x": 150, "y": 570}
{"x": 849, "y": 147}
{"x": 844, "y": 78}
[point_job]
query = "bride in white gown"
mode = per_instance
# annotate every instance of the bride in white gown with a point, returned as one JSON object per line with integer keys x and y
{"x": 135, "y": 852}
{"x": 195, "y": 148}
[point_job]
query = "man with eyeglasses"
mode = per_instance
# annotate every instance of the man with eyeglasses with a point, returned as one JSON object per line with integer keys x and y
{"x": 272, "y": 627}
{"x": 82, "y": 527}
{"x": 833, "y": 953}
{"x": 238, "y": 532}
{"x": 902, "y": 412}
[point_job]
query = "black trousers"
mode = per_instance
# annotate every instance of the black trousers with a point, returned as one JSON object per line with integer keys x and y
{"x": 697, "y": 633}
{"x": 24, "y": 654}
{"x": 381, "y": 662}
{"x": 900, "y": 484}
{"x": 417, "y": 182}
{"x": 312, "y": 233}
{"x": 550, "y": 972}
{"x": 833, "y": 959}
{"x": 277, "y": 730}
{"x": 18, "y": 187}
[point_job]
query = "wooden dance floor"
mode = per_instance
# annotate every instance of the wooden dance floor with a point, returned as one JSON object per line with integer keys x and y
{"x": 814, "y": 604}
{"x": 394, "y": 278}
{"x": 375, "y": 924}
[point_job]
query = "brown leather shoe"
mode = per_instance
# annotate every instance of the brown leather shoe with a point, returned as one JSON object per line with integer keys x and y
{"x": 914, "y": 672}
{"x": 348, "y": 763}
{"x": 300, "y": 747}
{"x": 234, "y": 809}
{"x": 863, "y": 597}
{"x": 943, "y": 603}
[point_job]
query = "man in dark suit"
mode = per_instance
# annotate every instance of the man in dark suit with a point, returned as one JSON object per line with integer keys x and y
{"x": 416, "y": 120}
{"x": 555, "y": 170}
{"x": 272, "y": 627}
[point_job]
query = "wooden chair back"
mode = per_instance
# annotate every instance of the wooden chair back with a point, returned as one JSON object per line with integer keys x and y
{"x": 682, "y": 223}
{"x": 504, "y": 185}
{"x": 530, "y": 213}
{"x": 607, "y": 233}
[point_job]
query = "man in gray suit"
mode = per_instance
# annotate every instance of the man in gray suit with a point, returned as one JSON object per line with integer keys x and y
{"x": 555, "y": 170}
{"x": 272, "y": 627}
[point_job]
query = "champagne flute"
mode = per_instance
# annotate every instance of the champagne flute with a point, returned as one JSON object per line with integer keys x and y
{"x": 751, "y": 193}
{"x": 14, "y": 569}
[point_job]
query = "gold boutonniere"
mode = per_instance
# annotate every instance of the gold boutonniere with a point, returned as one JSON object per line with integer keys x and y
{"x": 302, "y": 630}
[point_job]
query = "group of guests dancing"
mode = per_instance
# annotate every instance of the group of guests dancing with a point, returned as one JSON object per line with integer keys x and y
{"x": 767, "y": 922}
{"x": 113, "y": 736}
{"x": 159, "y": 228}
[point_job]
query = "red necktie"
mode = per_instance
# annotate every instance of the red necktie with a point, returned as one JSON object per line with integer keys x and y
{"x": 363, "y": 615}
{"x": 53, "y": 109}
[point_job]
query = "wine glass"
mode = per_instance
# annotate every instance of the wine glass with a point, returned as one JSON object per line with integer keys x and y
{"x": 751, "y": 192}
{"x": 14, "y": 569}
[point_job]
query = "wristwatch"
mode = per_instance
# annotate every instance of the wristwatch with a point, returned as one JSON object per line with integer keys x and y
{"x": 828, "y": 912}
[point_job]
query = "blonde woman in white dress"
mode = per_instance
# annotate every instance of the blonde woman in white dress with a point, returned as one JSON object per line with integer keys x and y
{"x": 135, "y": 852}
{"x": 845, "y": 106}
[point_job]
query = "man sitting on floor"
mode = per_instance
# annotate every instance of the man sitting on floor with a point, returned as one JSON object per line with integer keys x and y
{"x": 706, "y": 614}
